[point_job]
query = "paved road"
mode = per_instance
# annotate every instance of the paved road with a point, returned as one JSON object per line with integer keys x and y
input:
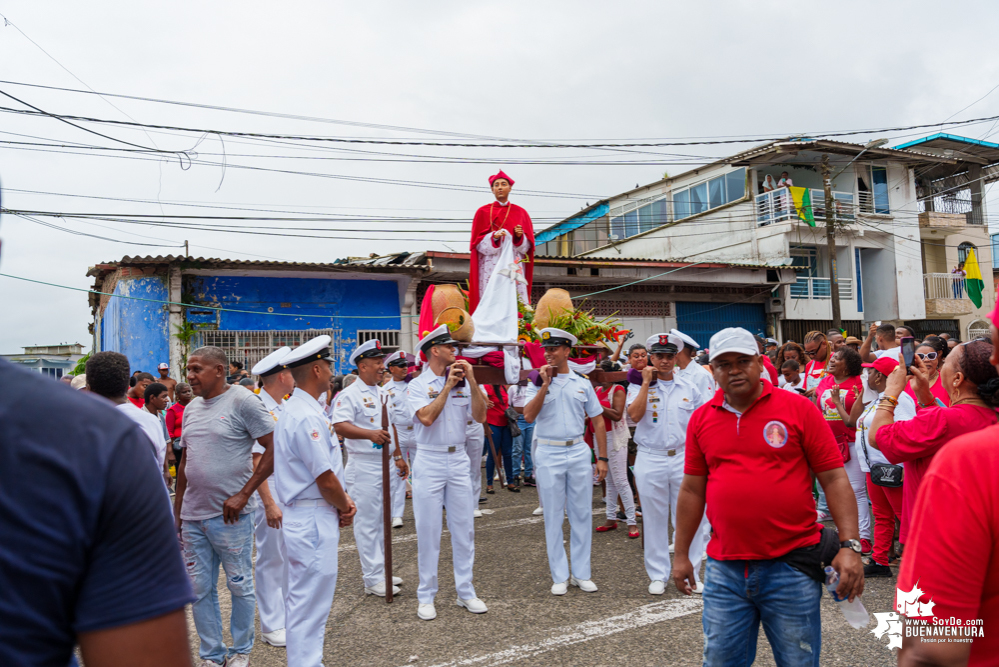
{"x": 621, "y": 624}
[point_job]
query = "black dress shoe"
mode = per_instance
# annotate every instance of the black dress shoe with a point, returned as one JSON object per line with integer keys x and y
{"x": 482, "y": 499}
{"x": 873, "y": 569}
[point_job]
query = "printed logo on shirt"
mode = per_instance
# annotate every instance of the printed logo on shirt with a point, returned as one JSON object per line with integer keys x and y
{"x": 314, "y": 435}
{"x": 923, "y": 623}
{"x": 775, "y": 433}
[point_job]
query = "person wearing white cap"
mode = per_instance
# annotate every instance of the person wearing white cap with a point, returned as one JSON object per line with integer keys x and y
{"x": 443, "y": 399}
{"x": 166, "y": 380}
{"x": 357, "y": 418}
{"x": 560, "y": 406}
{"x": 688, "y": 368}
{"x": 401, "y": 418}
{"x": 270, "y": 569}
{"x": 308, "y": 471}
{"x": 661, "y": 407}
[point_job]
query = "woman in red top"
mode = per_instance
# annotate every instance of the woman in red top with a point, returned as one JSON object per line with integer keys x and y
{"x": 497, "y": 403}
{"x": 932, "y": 351}
{"x": 913, "y": 443}
{"x": 612, "y": 397}
{"x": 836, "y": 395}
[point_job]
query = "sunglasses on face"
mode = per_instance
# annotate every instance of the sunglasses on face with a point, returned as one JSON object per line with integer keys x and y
{"x": 927, "y": 356}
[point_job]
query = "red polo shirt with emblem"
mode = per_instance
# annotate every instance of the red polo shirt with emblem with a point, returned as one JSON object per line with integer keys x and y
{"x": 758, "y": 467}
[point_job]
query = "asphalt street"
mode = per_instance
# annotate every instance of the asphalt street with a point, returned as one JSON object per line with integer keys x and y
{"x": 621, "y": 624}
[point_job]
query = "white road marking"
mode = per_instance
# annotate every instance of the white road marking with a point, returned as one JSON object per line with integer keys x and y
{"x": 657, "y": 612}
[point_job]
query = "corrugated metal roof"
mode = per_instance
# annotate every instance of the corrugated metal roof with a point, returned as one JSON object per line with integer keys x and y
{"x": 405, "y": 259}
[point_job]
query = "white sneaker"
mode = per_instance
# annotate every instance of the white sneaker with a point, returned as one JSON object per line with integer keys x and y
{"x": 397, "y": 581}
{"x": 539, "y": 511}
{"x": 672, "y": 548}
{"x": 476, "y": 514}
{"x": 699, "y": 588}
{"x": 560, "y": 589}
{"x": 397, "y": 522}
{"x": 475, "y": 605}
{"x": 379, "y": 589}
{"x": 584, "y": 585}
{"x": 657, "y": 588}
{"x": 427, "y": 611}
{"x": 274, "y": 638}
{"x": 238, "y": 660}
{"x": 209, "y": 663}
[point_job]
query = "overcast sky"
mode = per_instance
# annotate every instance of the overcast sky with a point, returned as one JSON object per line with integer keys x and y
{"x": 513, "y": 70}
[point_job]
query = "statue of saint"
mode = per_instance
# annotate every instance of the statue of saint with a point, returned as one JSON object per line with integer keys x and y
{"x": 491, "y": 223}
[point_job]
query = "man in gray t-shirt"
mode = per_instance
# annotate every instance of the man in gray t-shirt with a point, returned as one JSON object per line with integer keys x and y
{"x": 214, "y": 505}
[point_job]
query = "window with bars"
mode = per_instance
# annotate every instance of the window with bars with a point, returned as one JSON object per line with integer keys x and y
{"x": 249, "y": 347}
{"x": 389, "y": 338}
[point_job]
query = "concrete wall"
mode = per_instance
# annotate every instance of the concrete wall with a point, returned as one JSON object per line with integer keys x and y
{"x": 137, "y": 329}
{"x": 878, "y": 266}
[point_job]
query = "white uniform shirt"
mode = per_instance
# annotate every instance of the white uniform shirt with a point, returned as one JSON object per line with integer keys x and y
{"x": 669, "y": 407}
{"x": 275, "y": 409}
{"x": 451, "y": 424}
{"x": 359, "y": 405}
{"x": 700, "y": 377}
{"x": 305, "y": 447}
{"x": 400, "y": 414}
{"x": 569, "y": 401}
{"x": 904, "y": 411}
{"x": 474, "y": 429}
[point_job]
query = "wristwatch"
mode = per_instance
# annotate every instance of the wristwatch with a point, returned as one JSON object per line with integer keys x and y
{"x": 397, "y": 458}
{"x": 603, "y": 458}
{"x": 853, "y": 545}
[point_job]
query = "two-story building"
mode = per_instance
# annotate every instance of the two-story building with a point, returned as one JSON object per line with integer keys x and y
{"x": 52, "y": 360}
{"x": 738, "y": 210}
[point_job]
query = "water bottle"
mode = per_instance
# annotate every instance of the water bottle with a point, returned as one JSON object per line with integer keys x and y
{"x": 856, "y": 614}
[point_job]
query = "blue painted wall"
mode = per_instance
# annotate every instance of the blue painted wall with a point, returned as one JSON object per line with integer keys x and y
{"x": 138, "y": 329}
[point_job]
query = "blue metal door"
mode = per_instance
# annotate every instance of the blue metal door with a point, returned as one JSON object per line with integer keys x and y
{"x": 702, "y": 320}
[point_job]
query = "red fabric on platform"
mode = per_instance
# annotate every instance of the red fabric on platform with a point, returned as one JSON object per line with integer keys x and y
{"x": 491, "y": 218}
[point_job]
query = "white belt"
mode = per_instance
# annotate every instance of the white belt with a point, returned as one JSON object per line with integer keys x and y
{"x": 560, "y": 443}
{"x": 448, "y": 449}
{"x": 660, "y": 452}
{"x": 309, "y": 502}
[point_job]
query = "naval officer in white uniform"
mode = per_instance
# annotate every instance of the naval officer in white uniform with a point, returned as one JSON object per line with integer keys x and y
{"x": 559, "y": 408}
{"x": 444, "y": 398}
{"x": 661, "y": 406}
{"x": 308, "y": 474}
{"x": 270, "y": 568}
{"x": 401, "y": 417}
{"x": 688, "y": 368}
{"x": 357, "y": 418}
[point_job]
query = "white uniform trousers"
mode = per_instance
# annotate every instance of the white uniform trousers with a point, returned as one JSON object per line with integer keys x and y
{"x": 270, "y": 570}
{"x": 311, "y": 539}
{"x": 399, "y": 484}
{"x": 440, "y": 480}
{"x": 858, "y": 480}
{"x": 363, "y": 481}
{"x": 565, "y": 484}
{"x": 473, "y": 447}
{"x": 658, "y": 478}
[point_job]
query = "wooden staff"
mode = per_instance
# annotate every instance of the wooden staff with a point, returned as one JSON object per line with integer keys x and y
{"x": 496, "y": 459}
{"x": 387, "y": 503}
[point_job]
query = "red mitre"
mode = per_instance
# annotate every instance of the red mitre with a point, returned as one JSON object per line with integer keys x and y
{"x": 492, "y": 179}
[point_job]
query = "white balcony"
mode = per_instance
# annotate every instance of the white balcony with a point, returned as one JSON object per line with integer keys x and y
{"x": 820, "y": 288}
{"x": 946, "y": 295}
{"x": 778, "y": 206}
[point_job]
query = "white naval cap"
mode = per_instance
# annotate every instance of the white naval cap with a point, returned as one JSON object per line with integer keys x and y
{"x": 272, "y": 363}
{"x": 314, "y": 350}
{"x": 663, "y": 343}
{"x": 399, "y": 358}
{"x": 439, "y": 336}
{"x": 687, "y": 340}
{"x": 552, "y": 337}
{"x": 732, "y": 339}
{"x": 371, "y": 349}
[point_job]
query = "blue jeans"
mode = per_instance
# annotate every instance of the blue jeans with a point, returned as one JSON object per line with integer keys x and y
{"x": 820, "y": 504}
{"x": 522, "y": 447}
{"x": 208, "y": 544}
{"x": 504, "y": 447}
{"x": 738, "y": 594}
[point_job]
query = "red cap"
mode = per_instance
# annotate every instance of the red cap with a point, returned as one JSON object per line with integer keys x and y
{"x": 884, "y": 364}
{"x": 492, "y": 179}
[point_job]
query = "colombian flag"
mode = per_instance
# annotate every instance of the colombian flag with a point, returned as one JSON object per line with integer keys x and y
{"x": 973, "y": 278}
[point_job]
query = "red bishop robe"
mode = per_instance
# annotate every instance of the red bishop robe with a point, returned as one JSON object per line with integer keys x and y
{"x": 489, "y": 219}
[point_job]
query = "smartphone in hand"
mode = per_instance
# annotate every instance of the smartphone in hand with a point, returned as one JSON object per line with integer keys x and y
{"x": 908, "y": 345}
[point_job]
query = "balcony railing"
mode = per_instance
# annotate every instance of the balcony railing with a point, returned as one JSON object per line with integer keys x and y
{"x": 943, "y": 286}
{"x": 869, "y": 202}
{"x": 820, "y": 288}
{"x": 778, "y": 206}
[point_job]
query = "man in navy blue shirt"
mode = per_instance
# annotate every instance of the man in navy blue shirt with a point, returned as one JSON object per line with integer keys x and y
{"x": 88, "y": 553}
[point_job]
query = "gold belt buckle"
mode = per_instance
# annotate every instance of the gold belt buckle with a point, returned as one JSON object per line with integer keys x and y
{"x": 451, "y": 449}
{"x": 670, "y": 452}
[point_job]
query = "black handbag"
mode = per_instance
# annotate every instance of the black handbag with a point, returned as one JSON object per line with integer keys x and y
{"x": 813, "y": 560}
{"x": 882, "y": 474}
{"x": 511, "y": 416}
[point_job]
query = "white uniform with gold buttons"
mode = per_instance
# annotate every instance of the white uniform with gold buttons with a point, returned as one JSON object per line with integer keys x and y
{"x": 661, "y": 435}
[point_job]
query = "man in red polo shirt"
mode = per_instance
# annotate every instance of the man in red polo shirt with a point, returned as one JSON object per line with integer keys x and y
{"x": 750, "y": 455}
